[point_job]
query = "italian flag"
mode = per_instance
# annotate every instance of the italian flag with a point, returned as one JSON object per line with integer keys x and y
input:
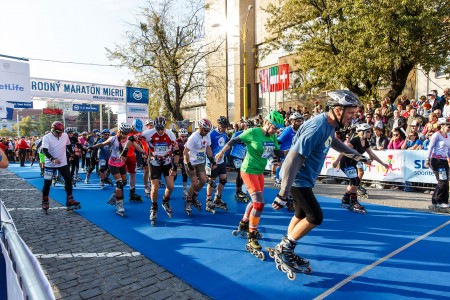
{"x": 273, "y": 79}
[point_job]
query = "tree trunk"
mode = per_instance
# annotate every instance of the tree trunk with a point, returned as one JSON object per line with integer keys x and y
{"x": 398, "y": 80}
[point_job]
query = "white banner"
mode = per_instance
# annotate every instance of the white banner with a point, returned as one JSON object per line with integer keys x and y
{"x": 14, "y": 81}
{"x": 414, "y": 169}
{"x": 136, "y": 112}
{"x": 2, "y": 109}
{"x": 51, "y": 88}
{"x": 14, "y": 290}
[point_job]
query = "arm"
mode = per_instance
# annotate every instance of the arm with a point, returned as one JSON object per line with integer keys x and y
{"x": 290, "y": 167}
{"x": 103, "y": 144}
{"x": 3, "y": 160}
{"x": 339, "y": 146}
{"x": 373, "y": 156}
{"x": 227, "y": 146}
{"x": 186, "y": 158}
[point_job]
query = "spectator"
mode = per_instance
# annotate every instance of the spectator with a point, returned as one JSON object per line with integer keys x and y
{"x": 438, "y": 113}
{"x": 397, "y": 121}
{"x": 369, "y": 109}
{"x": 435, "y": 103}
{"x": 374, "y": 102}
{"x": 413, "y": 103}
{"x": 426, "y": 142}
{"x": 369, "y": 119}
{"x": 412, "y": 142}
{"x": 378, "y": 121}
{"x": 406, "y": 112}
{"x": 396, "y": 141}
{"x": 378, "y": 141}
{"x": 426, "y": 110}
{"x": 416, "y": 126}
{"x": 22, "y": 147}
{"x": 413, "y": 117}
{"x": 403, "y": 101}
{"x": 386, "y": 110}
{"x": 446, "y": 110}
{"x": 432, "y": 125}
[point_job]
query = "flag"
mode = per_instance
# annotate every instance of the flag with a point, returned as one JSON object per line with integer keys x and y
{"x": 274, "y": 84}
{"x": 283, "y": 76}
{"x": 264, "y": 80}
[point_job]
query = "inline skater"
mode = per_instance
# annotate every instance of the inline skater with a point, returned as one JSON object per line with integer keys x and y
{"x": 196, "y": 150}
{"x": 40, "y": 155}
{"x": 163, "y": 147}
{"x": 237, "y": 153}
{"x": 130, "y": 163}
{"x": 218, "y": 138}
{"x": 55, "y": 145}
{"x": 181, "y": 141}
{"x": 262, "y": 144}
{"x": 75, "y": 159}
{"x": 438, "y": 156}
{"x": 120, "y": 145}
{"x": 103, "y": 155}
{"x": 349, "y": 166}
{"x": 91, "y": 155}
{"x": 149, "y": 124}
{"x": 300, "y": 171}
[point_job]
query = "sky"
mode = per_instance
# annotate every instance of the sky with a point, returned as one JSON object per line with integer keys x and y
{"x": 63, "y": 30}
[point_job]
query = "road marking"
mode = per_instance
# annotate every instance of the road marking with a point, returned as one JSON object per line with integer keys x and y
{"x": 88, "y": 255}
{"x": 1, "y": 190}
{"x": 34, "y": 208}
{"x": 381, "y": 260}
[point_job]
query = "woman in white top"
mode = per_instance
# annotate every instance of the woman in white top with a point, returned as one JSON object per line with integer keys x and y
{"x": 438, "y": 160}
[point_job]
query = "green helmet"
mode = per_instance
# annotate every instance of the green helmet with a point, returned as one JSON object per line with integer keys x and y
{"x": 276, "y": 119}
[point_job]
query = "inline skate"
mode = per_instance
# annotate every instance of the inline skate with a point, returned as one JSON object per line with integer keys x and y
{"x": 362, "y": 192}
{"x": 253, "y": 246}
{"x": 287, "y": 261}
{"x": 240, "y": 196}
{"x": 243, "y": 230}
{"x": 120, "y": 210}
{"x": 45, "y": 204}
{"x": 195, "y": 202}
{"x": 71, "y": 204}
{"x": 188, "y": 206}
{"x": 74, "y": 182}
{"x": 153, "y": 213}
{"x": 167, "y": 208}
{"x": 78, "y": 178}
{"x": 102, "y": 184}
{"x": 134, "y": 197}
{"x": 112, "y": 199}
{"x": 218, "y": 202}
{"x": 210, "y": 207}
{"x": 185, "y": 192}
{"x": 277, "y": 182}
{"x": 357, "y": 207}
{"x": 441, "y": 207}
{"x": 147, "y": 191}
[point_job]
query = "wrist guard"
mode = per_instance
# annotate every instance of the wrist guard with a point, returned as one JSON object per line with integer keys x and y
{"x": 131, "y": 138}
{"x": 279, "y": 201}
{"x": 211, "y": 160}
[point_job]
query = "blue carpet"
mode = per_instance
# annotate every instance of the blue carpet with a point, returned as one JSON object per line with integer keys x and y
{"x": 202, "y": 251}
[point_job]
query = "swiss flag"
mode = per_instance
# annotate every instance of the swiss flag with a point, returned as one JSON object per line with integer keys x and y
{"x": 283, "y": 76}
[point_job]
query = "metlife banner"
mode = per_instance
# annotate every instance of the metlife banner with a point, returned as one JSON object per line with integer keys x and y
{"x": 137, "y": 95}
{"x": 14, "y": 81}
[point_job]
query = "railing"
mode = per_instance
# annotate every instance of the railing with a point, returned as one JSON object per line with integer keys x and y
{"x": 29, "y": 273}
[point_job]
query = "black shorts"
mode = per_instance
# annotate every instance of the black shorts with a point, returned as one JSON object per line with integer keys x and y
{"x": 306, "y": 205}
{"x": 118, "y": 170}
{"x": 220, "y": 170}
{"x": 157, "y": 171}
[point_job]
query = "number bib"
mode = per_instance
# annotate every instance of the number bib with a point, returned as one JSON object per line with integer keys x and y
{"x": 442, "y": 174}
{"x": 200, "y": 158}
{"x": 351, "y": 172}
{"x": 102, "y": 162}
{"x": 237, "y": 163}
{"x": 48, "y": 173}
{"x": 208, "y": 170}
{"x": 268, "y": 148}
{"x": 161, "y": 150}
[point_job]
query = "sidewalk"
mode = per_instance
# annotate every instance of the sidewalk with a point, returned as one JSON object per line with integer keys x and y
{"x": 81, "y": 260}
{"x": 84, "y": 262}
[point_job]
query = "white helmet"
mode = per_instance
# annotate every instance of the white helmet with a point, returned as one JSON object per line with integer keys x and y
{"x": 125, "y": 128}
{"x": 183, "y": 131}
{"x": 295, "y": 116}
{"x": 363, "y": 127}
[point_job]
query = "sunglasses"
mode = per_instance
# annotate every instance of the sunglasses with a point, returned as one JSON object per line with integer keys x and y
{"x": 58, "y": 131}
{"x": 395, "y": 134}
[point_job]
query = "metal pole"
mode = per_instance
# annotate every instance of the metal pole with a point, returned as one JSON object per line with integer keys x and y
{"x": 18, "y": 124}
{"x": 244, "y": 41}
{"x": 109, "y": 116}
{"x": 226, "y": 59}
{"x": 89, "y": 121}
{"x": 101, "y": 116}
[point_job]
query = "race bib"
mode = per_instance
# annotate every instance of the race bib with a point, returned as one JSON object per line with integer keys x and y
{"x": 48, "y": 174}
{"x": 351, "y": 172}
{"x": 268, "y": 148}
{"x": 161, "y": 150}
{"x": 237, "y": 163}
{"x": 208, "y": 170}
{"x": 102, "y": 162}
{"x": 200, "y": 157}
{"x": 442, "y": 174}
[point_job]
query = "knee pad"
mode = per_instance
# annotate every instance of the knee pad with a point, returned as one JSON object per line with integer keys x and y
{"x": 119, "y": 184}
{"x": 124, "y": 182}
{"x": 355, "y": 181}
{"x": 259, "y": 206}
{"x": 211, "y": 183}
{"x": 223, "y": 181}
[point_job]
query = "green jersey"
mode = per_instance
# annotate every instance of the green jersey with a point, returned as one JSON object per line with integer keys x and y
{"x": 259, "y": 149}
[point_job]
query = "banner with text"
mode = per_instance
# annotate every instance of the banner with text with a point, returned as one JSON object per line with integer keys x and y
{"x": 14, "y": 81}
{"x": 85, "y": 107}
{"x": 50, "y": 88}
{"x": 136, "y": 112}
{"x": 22, "y": 104}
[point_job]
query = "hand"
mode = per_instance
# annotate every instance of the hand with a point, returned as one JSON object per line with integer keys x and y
{"x": 56, "y": 161}
{"x": 144, "y": 156}
{"x": 386, "y": 166}
{"x": 427, "y": 164}
{"x": 214, "y": 166}
{"x": 172, "y": 172}
{"x": 335, "y": 164}
{"x": 279, "y": 202}
{"x": 219, "y": 156}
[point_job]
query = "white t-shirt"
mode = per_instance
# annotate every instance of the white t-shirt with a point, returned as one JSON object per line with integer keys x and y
{"x": 197, "y": 148}
{"x": 57, "y": 148}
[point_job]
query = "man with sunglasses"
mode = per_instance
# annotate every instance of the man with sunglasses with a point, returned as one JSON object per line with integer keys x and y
{"x": 55, "y": 146}
{"x": 196, "y": 151}
{"x": 181, "y": 141}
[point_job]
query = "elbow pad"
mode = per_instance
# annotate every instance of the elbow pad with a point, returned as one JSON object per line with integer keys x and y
{"x": 176, "y": 152}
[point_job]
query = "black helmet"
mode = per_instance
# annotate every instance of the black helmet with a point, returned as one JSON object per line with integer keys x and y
{"x": 223, "y": 121}
{"x": 343, "y": 98}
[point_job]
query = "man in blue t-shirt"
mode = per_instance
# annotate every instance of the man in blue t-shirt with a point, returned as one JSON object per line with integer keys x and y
{"x": 301, "y": 168}
{"x": 219, "y": 138}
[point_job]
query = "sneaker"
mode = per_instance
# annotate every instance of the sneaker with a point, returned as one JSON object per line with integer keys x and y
{"x": 426, "y": 192}
{"x": 443, "y": 205}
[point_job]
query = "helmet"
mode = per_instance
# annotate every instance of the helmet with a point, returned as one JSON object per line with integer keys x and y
{"x": 137, "y": 125}
{"x": 124, "y": 128}
{"x": 295, "y": 116}
{"x": 160, "y": 123}
{"x": 75, "y": 134}
{"x": 95, "y": 131}
{"x": 223, "y": 121}
{"x": 204, "y": 123}
{"x": 69, "y": 129}
{"x": 276, "y": 119}
{"x": 113, "y": 133}
{"x": 149, "y": 121}
{"x": 343, "y": 98}
{"x": 105, "y": 131}
{"x": 84, "y": 133}
{"x": 363, "y": 127}
{"x": 58, "y": 127}
{"x": 183, "y": 131}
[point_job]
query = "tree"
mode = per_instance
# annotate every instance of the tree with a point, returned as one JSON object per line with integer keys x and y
{"x": 166, "y": 52}
{"x": 358, "y": 44}
{"x": 6, "y": 132}
{"x": 26, "y": 126}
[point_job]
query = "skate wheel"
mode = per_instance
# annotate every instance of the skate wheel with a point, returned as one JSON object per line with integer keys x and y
{"x": 271, "y": 252}
{"x": 261, "y": 256}
{"x": 278, "y": 266}
{"x": 291, "y": 275}
{"x": 247, "y": 247}
{"x": 234, "y": 232}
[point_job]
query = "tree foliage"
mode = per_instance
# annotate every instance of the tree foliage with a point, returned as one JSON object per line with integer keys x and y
{"x": 358, "y": 44}
{"x": 27, "y": 126}
{"x": 166, "y": 51}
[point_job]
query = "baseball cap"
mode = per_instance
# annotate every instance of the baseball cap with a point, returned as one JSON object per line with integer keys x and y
{"x": 414, "y": 123}
{"x": 432, "y": 93}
